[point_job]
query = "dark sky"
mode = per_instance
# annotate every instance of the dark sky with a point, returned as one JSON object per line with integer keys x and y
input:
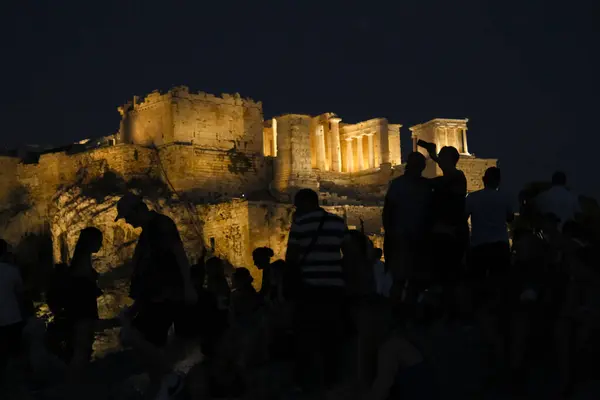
{"x": 524, "y": 72}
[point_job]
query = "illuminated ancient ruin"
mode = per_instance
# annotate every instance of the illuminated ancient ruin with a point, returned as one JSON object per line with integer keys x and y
{"x": 217, "y": 167}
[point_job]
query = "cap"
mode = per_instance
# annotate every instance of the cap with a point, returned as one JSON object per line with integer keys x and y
{"x": 126, "y": 204}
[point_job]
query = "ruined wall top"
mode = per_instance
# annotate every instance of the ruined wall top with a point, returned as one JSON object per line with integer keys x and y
{"x": 183, "y": 92}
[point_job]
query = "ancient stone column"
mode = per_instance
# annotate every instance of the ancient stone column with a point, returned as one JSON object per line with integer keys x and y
{"x": 336, "y": 151}
{"x": 349, "y": 155}
{"x": 359, "y": 153}
{"x": 464, "y": 140}
{"x": 371, "y": 151}
{"x": 321, "y": 159}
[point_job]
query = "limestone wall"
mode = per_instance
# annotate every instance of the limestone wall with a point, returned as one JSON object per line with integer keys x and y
{"x": 217, "y": 122}
{"x": 149, "y": 122}
{"x": 474, "y": 168}
{"x": 292, "y": 167}
{"x": 179, "y": 116}
{"x": 203, "y": 172}
{"x": 226, "y": 232}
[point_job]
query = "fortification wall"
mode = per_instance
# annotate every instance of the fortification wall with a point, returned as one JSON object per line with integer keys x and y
{"x": 149, "y": 122}
{"x": 226, "y": 232}
{"x": 213, "y": 122}
{"x": 230, "y": 173}
{"x": 217, "y": 122}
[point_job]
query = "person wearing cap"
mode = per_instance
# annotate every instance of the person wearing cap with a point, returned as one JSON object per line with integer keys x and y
{"x": 161, "y": 288}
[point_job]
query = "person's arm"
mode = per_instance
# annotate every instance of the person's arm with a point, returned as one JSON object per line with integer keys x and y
{"x": 432, "y": 151}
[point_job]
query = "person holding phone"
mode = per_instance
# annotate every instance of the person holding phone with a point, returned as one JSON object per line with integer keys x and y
{"x": 450, "y": 232}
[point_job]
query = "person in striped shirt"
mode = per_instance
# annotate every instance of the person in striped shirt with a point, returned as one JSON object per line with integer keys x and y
{"x": 315, "y": 242}
{"x": 314, "y": 252}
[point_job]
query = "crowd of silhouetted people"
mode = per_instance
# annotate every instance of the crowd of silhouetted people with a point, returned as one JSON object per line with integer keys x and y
{"x": 337, "y": 309}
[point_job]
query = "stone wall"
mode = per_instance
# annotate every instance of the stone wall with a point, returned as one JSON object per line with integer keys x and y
{"x": 215, "y": 173}
{"x": 149, "y": 122}
{"x": 474, "y": 168}
{"x": 179, "y": 116}
{"x": 292, "y": 167}
{"x": 214, "y": 122}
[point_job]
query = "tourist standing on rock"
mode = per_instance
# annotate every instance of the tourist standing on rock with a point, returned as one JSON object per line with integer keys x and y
{"x": 216, "y": 283}
{"x": 11, "y": 318}
{"x": 450, "y": 232}
{"x": 407, "y": 217}
{"x": 490, "y": 211}
{"x": 314, "y": 253}
{"x": 270, "y": 282}
{"x": 160, "y": 286}
{"x": 558, "y": 200}
{"x": 81, "y": 308}
{"x": 369, "y": 311}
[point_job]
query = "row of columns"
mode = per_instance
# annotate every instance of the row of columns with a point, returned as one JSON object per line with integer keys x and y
{"x": 333, "y": 143}
{"x": 462, "y": 133}
{"x": 354, "y": 157}
{"x": 360, "y": 157}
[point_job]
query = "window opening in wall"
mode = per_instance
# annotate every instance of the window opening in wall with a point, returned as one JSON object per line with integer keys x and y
{"x": 212, "y": 244}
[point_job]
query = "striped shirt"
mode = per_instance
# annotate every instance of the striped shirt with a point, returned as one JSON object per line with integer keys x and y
{"x": 322, "y": 266}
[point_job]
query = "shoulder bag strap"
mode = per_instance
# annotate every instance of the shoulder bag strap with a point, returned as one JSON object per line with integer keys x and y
{"x": 313, "y": 241}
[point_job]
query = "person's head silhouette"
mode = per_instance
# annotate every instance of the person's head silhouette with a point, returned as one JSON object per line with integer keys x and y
{"x": 305, "y": 201}
{"x": 90, "y": 240}
{"x": 241, "y": 278}
{"x": 262, "y": 257}
{"x": 415, "y": 164}
{"x": 491, "y": 178}
{"x": 559, "y": 178}
{"x": 448, "y": 158}
{"x": 132, "y": 208}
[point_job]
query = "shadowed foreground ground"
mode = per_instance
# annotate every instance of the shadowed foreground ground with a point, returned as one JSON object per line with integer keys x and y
{"x": 458, "y": 355}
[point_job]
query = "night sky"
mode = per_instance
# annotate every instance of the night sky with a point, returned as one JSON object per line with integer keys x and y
{"x": 524, "y": 72}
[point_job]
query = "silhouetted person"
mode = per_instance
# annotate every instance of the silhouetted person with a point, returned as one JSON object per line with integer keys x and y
{"x": 201, "y": 321}
{"x": 160, "y": 286}
{"x": 270, "y": 282}
{"x": 369, "y": 310}
{"x": 490, "y": 211}
{"x": 216, "y": 283}
{"x": 244, "y": 298}
{"x": 11, "y": 319}
{"x": 81, "y": 309}
{"x": 558, "y": 200}
{"x": 407, "y": 221}
{"x": 450, "y": 231}
{"x": 314, "y": 251}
